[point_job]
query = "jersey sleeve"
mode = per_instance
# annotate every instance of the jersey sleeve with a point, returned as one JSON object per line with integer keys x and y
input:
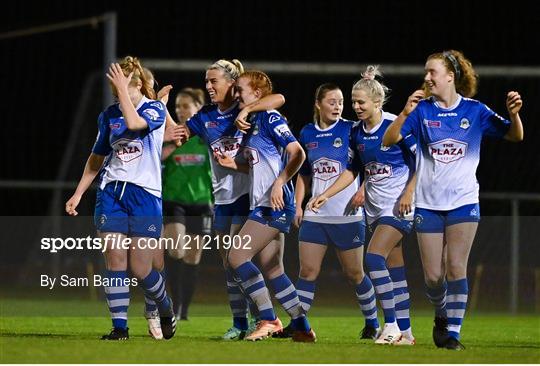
{"x": 354, "y": 162}
{"x": 154, "y": 114}
{"x": 102, "y": 145}
{"x": 305, "y": 169}
{"x": 195, "y": 125}
{"x": 279, "y": 130}
{"x": 408, "y": 148}
{"x": 412, "y": 123}
{"x": 492, "y": 124}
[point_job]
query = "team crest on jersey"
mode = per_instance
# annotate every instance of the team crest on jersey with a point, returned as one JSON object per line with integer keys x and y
{"x": 128, "y": 150}
{"x": 251, "y": 155}
{"x": 151, "y": 113}
{"x": 376, "y": 171}
{"x": 312, "y": 145}
{"x": 464, "y": 123}
{"x": 448, "y": 150}
{"x": 255, "y": 129}
{"x": 273, "y": 118}
{"x": 211, "y": 124}
{"x": 227, "y": 146}
{"x": 326, "y": 169}
{"x": 283, "y": 131}
{"x": 338, "y": 142}
{"x": 158, "y": 105}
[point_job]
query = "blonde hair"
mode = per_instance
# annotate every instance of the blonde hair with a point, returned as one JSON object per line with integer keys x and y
{"x": 258, "y": 80}
{"x": 465, "y": 78}
{"x": 231, "y": 69}
{"x": 375, "y": 90}
{"x": 132, "y": 64}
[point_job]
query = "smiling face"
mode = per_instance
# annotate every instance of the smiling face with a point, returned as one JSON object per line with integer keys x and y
{"x": 364, "y": 107}
{"x": 217, "y": 85}
{"x": 245, "y": 92}
{"x": 331, "y": 106}
{"x": 438, "y": 79}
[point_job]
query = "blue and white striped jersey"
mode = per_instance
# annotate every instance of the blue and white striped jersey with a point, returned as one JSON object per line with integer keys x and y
{"x": 448, "y": 150}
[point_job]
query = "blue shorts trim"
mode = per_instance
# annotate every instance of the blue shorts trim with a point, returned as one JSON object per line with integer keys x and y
{"x": 280, "y": 220}
{"x": 433, "y": 221}
{"x": 123, "y": 207}
{"x": 403, "y": 226}
{"x": 343, "y": 236}
{"x": 232, "y": 213}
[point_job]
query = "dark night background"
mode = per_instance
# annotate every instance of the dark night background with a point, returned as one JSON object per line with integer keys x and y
{"x": 43, "y": 74}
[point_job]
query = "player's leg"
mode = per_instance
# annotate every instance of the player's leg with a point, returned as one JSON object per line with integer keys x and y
{"x": 254, "y": 237}
{"x": 459, "y": 238}
{"x": 199, "y": 223}
{"x": 396, "y": 268}
{"x": 429, "y": 226}
{"x": 349, "y": 239}
{"x": 111, "y": 221}
{"x": 116, "y": 290}
{"x": 222, "y": 225}
{"x": 384, "y": 239}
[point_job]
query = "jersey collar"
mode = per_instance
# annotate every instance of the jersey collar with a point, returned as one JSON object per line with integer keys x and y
{"x": 376, "y": 128}
{"x": 453, "y": 106}
{"x": 327, "y": 128}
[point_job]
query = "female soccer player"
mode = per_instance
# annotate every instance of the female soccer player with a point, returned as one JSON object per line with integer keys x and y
{"x": 129, "y": 200}
{"x": 326, "y": 143}
{"x": 187, "y": 203}
{"x": 389, "y": 186}
{"x": 274, "y": 156}
{"x": 214, "y": 123}
{"x": 449, "y": 127}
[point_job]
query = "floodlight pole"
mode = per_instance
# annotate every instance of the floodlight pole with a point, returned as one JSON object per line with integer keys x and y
{"x": 109, "y": 53}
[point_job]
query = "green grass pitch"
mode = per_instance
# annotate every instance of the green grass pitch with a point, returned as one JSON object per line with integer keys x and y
{"x": 63, "y": 331}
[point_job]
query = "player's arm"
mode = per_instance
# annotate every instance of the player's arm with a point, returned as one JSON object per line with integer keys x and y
{"x": 393, "y": 132}
{"x": 132, "y": 119}
{"x": 302, "y": 188}
{"x": 272, "y": 101}
{"x": 91, "y": 169}
{"x": 406, "y": 200}
{"x": 513, "y": 105}
{"x": 230, "y": 163}
{"x": 296, "y": 157}
{"x": 344, "y": 180}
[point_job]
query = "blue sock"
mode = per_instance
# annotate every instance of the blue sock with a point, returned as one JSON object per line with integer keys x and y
{"x": 382, "y": 282}
{"x": 401, "y": 297}
{"x": 237, "y": 302}
{"x": 306, "y": 293}
{"x": 149, "y": 304}
{"x": 288, "y": 298}
{"x": 254, "y": 286}
{"x": 456, "y": 302}
{"x": 154, "y": 287}
{"x": 365, "y": 293}
{"x": 437, "y": 297}
{"x": 117, "y": 298}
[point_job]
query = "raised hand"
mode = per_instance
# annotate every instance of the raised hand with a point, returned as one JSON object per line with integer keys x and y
{"x": 117, "y": 77}
{"x": 513, "y": 102}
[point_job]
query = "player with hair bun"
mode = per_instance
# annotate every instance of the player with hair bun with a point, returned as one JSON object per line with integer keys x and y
{"x": 128, "y": 203}
{"x": 389, "y": 185}
{"x": 449, "y": 127}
